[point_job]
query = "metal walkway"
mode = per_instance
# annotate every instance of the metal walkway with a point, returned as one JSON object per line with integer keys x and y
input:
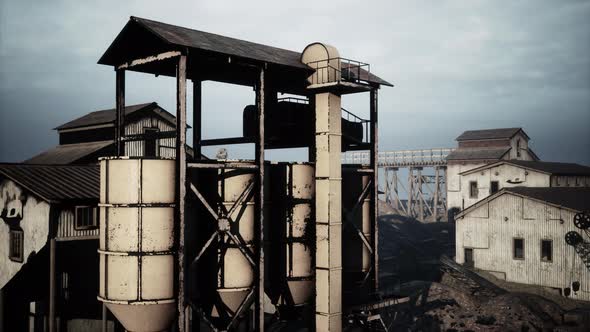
{"x": 403, "y": 158}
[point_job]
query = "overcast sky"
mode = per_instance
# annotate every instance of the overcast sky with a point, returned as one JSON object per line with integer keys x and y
{"x": 456, "y": 65}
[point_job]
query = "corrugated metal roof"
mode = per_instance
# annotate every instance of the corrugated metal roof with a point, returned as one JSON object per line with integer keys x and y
{"x": 478, "y": 153}
{"x": 573, "y": 198}
{"x": 497, "y": 133}
{"x": 553, "y": 168}
{"x": 108, "y": 116}
{"x": 209, "y": 42}
{"x": 68, "y": 153}
{"x": 56, "y": 183}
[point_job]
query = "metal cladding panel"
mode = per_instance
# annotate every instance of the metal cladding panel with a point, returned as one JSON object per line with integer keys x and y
{"x": 122, "y": 181}
{"x": 238, "y": 271}
{"x": 302, "y": 215}
{"x": 157, "y": 232}
{"x": 122, "y": 231}
{"x": 157, "y": 181}
{"x": 303, "y": 184}
{"x": 301, "y": 265}
{"x": 159, "y": 283}
{"x": 122, "y": 278}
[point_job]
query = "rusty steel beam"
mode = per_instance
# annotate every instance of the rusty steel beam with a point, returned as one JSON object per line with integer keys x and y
{"x": 259, "y": 153}
{"x": 181, "y": 188}
{"x": 148, "y": 59}
{"x": 120, "y": 112}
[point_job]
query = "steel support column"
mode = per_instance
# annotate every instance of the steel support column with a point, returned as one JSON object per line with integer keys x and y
{"x": 259, "y": 303}
{"x": 120, "y": 112}
{"x": 181, "y": 189}
{"x": 374, "y": 213}
{"x": 52, "y": 292}
{"x": 197, "y": 111}
{"x": 328, "y": 207}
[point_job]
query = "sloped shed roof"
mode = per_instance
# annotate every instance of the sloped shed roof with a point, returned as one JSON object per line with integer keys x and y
{"x": 54, "y": 183}
{"x": 68, "y": 153}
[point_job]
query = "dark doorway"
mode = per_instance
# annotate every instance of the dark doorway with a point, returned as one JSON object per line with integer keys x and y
{"x": 469, "y": 257}
{"x": 150, "y": 147}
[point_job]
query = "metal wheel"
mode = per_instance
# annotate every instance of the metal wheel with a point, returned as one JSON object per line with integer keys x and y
{"x": 573, "y": 238}
{"x": 582, "y": 220}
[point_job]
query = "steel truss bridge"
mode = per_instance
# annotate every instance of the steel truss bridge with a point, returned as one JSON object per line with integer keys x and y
{"x": 422, "y": 195}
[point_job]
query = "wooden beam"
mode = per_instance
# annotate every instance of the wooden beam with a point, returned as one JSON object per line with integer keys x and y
{"x": 259, "y": 302}
{"x": 181, "y": 187}
{"x": 120, "y": 112}
{"x": 151, "y": 58}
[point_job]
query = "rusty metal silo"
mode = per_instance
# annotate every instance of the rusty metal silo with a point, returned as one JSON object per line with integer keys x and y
{"x": 136, "y": 242}
{"x": 291, "y": 241}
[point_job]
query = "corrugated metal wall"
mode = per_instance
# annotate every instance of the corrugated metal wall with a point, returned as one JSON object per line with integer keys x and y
{"x": 66, "y": 229}
{"x": 166, "y": 147}
{"x": 510, "y": 217}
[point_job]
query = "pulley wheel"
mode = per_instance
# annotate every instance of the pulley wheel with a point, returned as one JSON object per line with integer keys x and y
{"x": 573, "y": 238}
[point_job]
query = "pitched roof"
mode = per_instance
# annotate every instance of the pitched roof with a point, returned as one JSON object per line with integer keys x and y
{"x": 573, "y": 198}
{"x": 108, "y": 116}
{"x": 478, "y": 153}
{"x": 68, "y": 153}
{"x": 55, "y": 183}
{"x": 498, "y": 133}
{"x": 553, "y": 168}
{"x": 181, "y": 37}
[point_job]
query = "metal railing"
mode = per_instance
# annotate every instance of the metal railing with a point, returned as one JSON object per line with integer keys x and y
{"x": 348, "y": 116}
{"x": 339, "y": 69}
{"x": 426, "y": 157}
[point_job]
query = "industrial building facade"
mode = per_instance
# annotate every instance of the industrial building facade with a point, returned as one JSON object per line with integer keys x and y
{"x": 518, "y": 235}
{"x": 478, "y": 148}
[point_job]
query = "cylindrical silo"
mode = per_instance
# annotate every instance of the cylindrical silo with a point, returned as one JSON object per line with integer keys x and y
{"x": 224, "y": 274}
{"x": 356, "y": 214}
{"x": 136, "y": 241}
{"x": 291, "y": 241}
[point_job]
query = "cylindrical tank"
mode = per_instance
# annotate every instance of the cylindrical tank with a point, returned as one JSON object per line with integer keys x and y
{"x": 225, "y": 276}
{"x": 291, "y": 242}
{"x": 136, "y": 241}
{"x": 356, "y": 257}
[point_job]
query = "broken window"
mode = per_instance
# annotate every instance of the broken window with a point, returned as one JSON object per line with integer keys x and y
{"x": 518, "y": 246}
{"x": 546, "y": 250}
{"x": 494, "y": 186}
{"x": 473, "y": 189}
{"x": 16, "y": 245}
{"x": 86, "y": 217}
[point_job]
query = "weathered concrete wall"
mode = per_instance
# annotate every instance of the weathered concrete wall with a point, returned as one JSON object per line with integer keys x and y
{"x": 27, "y": 212}
{"x": 490, "y": 229}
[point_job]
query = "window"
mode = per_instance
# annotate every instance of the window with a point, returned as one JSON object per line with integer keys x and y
{"x": 546, "y": 250}
{"x": 518, "y": 246}
{"x": 16, "y": 243}
{"x": 494, "y": 186}
{"x": 517, "y": 148}
{"x": 150, "y": 146}
{"x": 86, "y": 217}
{"x": 473, "y": 189}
